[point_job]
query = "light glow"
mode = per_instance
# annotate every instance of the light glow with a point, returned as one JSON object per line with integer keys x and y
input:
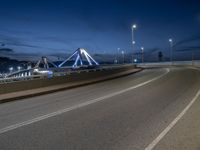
{"x": 134, "y": 26}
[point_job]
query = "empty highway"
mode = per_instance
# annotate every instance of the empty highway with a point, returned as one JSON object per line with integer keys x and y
{"x": 153, "y": 109}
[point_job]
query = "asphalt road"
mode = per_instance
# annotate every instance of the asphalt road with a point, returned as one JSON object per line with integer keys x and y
{"x": 127, "y": 113}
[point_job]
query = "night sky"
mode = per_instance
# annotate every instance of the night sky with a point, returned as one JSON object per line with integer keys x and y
{"x": 55, "y": 27}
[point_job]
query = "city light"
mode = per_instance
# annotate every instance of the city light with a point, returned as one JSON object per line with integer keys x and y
{"x": 11, "y": 69}
{"x": 19, "y": 68}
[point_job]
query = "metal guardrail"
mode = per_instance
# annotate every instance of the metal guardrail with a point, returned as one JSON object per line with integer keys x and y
{"x": 16, "y": 79}
{"x": 181, "y": 63}
{"x": 56, "y": 74}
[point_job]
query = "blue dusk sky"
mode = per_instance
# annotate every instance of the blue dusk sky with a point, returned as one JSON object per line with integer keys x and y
{"x": 56, "y": 27}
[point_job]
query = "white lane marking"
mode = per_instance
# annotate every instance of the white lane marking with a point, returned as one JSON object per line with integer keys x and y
{"x": 15, "y": 126}
{"x": 172, "y": 124}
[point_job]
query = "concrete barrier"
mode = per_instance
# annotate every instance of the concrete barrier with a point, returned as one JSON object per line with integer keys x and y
{"x": 195, "y": 63}
{"x": 40, "y": 86}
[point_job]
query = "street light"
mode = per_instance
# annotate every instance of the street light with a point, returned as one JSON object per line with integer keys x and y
{"x": 133, "y": 28}
{"x": 171, "y": 48}
{"x": 118, "y": 49}
{"x": 18, "y": 68}
{"x": 135, "y": 60}
{"x": 123, "y": 56}
{"x": 11, "y": 69}
{"x": 142, "y": 54}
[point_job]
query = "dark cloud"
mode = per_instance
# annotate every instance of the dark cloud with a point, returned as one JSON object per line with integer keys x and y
{"x": 188, "y": 48}
{"x": 62, "y": 40}
{"x": 188, "y": 40}
{"x": 22, "y": 56}
{"x": 20, "y": 42}
{"x": 153, "y": 50}
{"x": 6, "y": 50}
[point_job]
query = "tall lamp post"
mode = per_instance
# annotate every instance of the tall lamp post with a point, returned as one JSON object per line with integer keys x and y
{"x": 123, "y": 56}
{"x": 118, "y": 52}
{"x": 142, "y": 54}
{"x": 171, "y": 48}
{"x": 192, "y": 57}
{"x": 133, "y": 28}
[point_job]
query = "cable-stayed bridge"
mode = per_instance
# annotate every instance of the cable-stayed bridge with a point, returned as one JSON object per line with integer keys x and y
{"x": 45, "y": 67}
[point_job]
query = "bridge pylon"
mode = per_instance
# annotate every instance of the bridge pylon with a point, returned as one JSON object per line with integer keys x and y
{"x": 80, "y": 57}
{"x": 44, "y": 63}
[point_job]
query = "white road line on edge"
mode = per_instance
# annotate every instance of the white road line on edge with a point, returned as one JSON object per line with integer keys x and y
{"x": 172, "y": 124}
{"x": 15, "y": 126}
